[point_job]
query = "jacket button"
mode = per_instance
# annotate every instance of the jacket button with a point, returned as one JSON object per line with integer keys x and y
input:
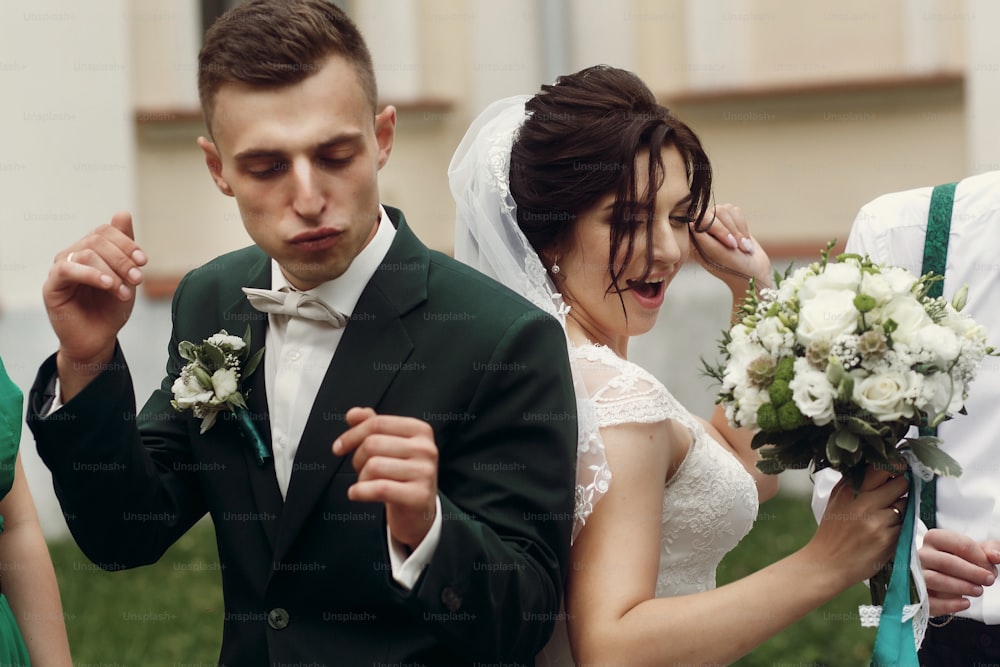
{"x": 277, "y": 618}
{"x": 451, "y": 599}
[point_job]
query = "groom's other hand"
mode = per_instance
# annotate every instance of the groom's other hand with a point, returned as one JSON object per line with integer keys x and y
{"x": 956, "y": 566}
{"x": 396, "y": 459}
{"x": 89, "y": 294}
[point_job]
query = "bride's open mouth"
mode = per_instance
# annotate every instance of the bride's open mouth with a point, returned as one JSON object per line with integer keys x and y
{"x": 650, "y": 289}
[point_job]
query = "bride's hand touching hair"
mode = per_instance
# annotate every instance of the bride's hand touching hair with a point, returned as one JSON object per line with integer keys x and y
{"x": 721, "y": 242}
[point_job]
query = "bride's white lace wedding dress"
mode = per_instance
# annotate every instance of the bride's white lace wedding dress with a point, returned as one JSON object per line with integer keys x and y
{"x": 709, "y": 504}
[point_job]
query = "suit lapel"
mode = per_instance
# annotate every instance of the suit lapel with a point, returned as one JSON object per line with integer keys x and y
{"x": 263, "y": 483}
{"x": 371, "y": 354}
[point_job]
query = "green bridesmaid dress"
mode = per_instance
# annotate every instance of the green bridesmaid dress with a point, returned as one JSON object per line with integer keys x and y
{"x": 12, "y": 649}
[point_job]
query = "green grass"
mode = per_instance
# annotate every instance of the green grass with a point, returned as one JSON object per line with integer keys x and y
{"x": 164, "y": 615}
{"x": 170, "y": 614}
{"x": 831, "y": 636}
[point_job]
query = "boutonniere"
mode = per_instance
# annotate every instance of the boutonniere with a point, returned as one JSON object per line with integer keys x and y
{"x": 210, "y": 383}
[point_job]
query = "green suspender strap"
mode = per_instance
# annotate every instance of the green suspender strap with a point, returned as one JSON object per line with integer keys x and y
{"x": 935, "y": 255}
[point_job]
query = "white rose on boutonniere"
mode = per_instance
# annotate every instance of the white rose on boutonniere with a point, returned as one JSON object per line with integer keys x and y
{"x": 210, "y": 383}
{"x": 188, "y": 391}
{"x": 224, "y": 383}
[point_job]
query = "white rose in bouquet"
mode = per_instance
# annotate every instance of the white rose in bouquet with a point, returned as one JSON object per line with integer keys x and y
{"x": 787, "y": 291}
{"x": 940, "y": 394}
{"x": 899, "y": 279}
{"x": 909, "y": 316}
{"x": 835, "y": 278}
{"x": 812, "y": 392}
{"x": 885, "y": 395}
{"x": 941, "y": 342}
{"x": 775, "y": 337}
{"x": 825, "y": 316}
{"x": 877, "y": 286}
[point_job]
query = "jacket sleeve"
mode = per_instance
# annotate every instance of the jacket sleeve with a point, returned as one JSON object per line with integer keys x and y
{"x": 494, "y": 585}
{"x": 126, "y": 482}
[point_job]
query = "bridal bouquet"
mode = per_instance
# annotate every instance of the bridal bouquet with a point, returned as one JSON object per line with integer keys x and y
{"x": 210, "y": 382}
{"x": 837, "y": 361}
{"x": 832, "y": 367}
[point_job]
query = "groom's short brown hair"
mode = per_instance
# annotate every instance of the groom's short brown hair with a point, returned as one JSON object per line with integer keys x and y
{"x": 275, "y": 43}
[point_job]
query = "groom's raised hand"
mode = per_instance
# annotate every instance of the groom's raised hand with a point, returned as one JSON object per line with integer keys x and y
{"x": 396, "y": 459}
{"x": 89, "y": 294}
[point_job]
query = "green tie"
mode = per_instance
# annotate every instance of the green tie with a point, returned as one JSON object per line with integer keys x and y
{"x": 935, "y": 254}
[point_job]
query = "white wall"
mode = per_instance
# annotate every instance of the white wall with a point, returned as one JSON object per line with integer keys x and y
{"x": 66, "y": 162}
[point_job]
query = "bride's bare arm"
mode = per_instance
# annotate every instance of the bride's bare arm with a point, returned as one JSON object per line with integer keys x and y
{"x": 614, "y": 617}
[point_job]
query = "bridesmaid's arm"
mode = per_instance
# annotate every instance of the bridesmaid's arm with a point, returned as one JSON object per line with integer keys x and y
{"x": 29, "y": 582}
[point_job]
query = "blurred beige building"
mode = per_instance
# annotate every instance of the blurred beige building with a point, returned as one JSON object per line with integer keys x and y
{"x": 807, "y": 109}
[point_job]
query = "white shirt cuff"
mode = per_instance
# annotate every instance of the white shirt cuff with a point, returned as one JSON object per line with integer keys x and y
{"x": 406, "y": 569}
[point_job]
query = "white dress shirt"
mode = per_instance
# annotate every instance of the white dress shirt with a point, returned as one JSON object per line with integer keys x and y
{"x": 299, "y": 350}
{"x": 891, "y": 230}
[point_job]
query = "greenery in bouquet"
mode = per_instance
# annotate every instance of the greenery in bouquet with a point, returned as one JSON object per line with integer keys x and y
{"x": 836, "y": 362}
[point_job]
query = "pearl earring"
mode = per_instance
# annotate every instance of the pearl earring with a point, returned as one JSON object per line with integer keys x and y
{"x": 555, "y": 269}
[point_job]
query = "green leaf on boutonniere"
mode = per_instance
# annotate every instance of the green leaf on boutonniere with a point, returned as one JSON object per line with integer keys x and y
{"x": 187, "y": 350}
{"x": 214, "y": 356}
{"x": 236, "y": 400}
{"x": 204, "y": 379}
{"x": 251, "y": 365}
{"x": 253, "y": 362}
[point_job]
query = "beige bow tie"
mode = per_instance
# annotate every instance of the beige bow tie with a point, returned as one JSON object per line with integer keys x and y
{"x": 294, "y": 304}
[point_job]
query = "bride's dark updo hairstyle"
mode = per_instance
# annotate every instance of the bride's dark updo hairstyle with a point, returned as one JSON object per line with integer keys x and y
{"x": 579, "y": 143}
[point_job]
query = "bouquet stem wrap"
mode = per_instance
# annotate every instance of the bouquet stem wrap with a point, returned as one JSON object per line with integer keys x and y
{"x": 896, "y": 643}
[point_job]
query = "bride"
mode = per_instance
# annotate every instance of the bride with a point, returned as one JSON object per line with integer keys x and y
{"x": 588, "y": 198}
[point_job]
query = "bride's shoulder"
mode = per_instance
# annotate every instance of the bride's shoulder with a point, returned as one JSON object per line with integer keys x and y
{"x": 600, "y": 366}
{"x": 621, "y": 390}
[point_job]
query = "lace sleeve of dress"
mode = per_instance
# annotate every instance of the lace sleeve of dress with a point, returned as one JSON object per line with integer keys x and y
{"x": 623, "y": 393}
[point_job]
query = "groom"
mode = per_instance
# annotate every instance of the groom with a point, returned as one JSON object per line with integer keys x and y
{"x": 417, "y": 503}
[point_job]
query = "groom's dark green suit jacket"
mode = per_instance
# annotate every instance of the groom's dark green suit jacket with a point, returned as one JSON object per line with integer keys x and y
{"x": 307, "y": 581}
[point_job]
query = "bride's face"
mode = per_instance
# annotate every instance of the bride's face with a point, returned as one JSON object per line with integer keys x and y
{"x": 598, "y": 313}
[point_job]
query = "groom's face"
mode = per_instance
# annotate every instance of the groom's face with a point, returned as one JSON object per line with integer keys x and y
{"x": 302, "y": 162}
